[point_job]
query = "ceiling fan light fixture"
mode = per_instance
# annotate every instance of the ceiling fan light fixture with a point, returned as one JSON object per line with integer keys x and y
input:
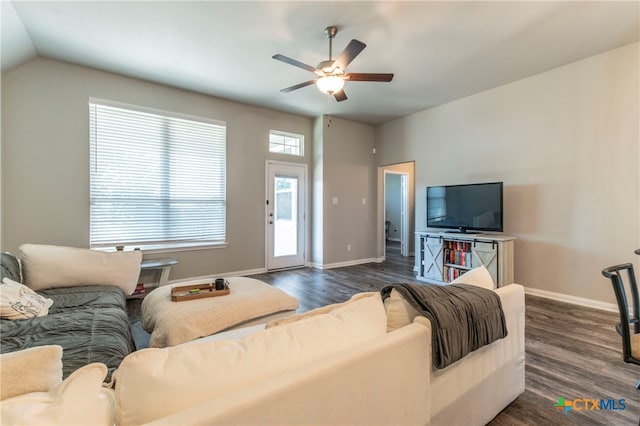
{"x": 330, "y": 84}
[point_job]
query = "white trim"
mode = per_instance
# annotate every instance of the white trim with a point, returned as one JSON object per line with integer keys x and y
{"x": 404, "y": 209}
{"x": 166, "y": 248}
{"x": 347, "y": 263}
{"x": 156, "y": 111}
{"x": 221, "y": 275}
{"x": 291, "y": 135}
{"x": 305, "y": 223}
{"x": 574, "y": 300}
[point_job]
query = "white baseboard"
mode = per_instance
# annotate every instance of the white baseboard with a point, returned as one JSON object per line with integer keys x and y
{"x": 221, "y": 275}
{"x": 347, "y": 263}
{"x": 575, "y": 300}
{"x": 590, "y": 303}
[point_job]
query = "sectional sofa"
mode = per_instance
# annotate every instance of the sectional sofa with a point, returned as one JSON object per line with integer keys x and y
{"x": 337, "y": 365}
{"x": 90, "y": 322}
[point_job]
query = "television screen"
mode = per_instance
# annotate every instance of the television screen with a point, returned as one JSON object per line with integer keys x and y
{"x": 471, "y": 207}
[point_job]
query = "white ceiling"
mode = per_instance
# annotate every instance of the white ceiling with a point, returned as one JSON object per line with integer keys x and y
{"x": 439, "y": 51}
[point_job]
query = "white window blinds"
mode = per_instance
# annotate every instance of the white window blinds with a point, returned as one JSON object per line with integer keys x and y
{"x": 156, "y": 178}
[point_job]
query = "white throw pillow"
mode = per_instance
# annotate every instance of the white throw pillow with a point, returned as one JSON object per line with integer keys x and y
{"x": 79, "y": 400}
{"x": 399, "y": 311}
{"x": 17, "y": 301}
{"x": 46, "y": 266}
{"x": 153, "y": 383}
{"x": 318, "y": 311}
{"x": 479, "y": 277}
{"x": 35, "y": 369}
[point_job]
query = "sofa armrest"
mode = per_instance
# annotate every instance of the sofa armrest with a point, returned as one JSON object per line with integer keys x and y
{"x": 476, "y": 388}
{"x": 350, "y": 387}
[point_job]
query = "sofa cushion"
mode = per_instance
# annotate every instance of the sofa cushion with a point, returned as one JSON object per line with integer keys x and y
{"x": 17, "y": 301}
{"x": 318, "y": 311}
{"x": 10, "y": 267}
{"x": 46, "y": 266}
{"x": 36, "y": 369}
{"x": 399, "y": 311}
{"x": 479, "y": 277}
{"x": 79, "y": 400}
{"x": 153, "y": 383}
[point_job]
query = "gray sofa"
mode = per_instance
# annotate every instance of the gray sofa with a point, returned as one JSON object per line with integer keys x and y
{"x": 89, "y": 322}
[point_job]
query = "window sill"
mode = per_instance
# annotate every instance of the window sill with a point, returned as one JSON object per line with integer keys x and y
{"x": 167, "y": 248}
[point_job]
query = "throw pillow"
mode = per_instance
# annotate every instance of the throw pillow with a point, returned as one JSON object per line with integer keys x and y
{"x": 318, "y": 311}
{"x": 17, "y": 301}
{"x": 399, "y": 311}
{"x": 10, "y": 267}
{"x": 79, "y": 400}
{"x": 46, "y": 266}
{"x": 479, "y": 277}
{"x": 35, "y": 369}
{"x": 153, "y": 383}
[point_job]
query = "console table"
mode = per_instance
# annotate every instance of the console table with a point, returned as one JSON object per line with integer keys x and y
{"x": 157, "y": 270}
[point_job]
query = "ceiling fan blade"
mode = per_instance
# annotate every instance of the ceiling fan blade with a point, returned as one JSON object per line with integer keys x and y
{"x": 340, "y": 95}
{"x": 355, "y": 76}
{"x": 297, "y": 86}
{"x": 352, "y": 50}
{"x": 295, "y": 63}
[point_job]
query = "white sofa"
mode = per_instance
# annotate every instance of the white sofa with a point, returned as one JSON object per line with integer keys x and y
{"x": 343, "y": 368}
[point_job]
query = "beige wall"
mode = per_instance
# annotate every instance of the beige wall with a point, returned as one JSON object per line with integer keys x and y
{"x": 566, "y": 145}
{"x": 317, "y": 194}
{"x": 349, "y": 175}
{"x": 45, "y": 173}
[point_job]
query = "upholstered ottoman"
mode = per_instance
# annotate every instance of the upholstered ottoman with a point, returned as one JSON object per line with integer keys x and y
{"x": 249, "y": 302}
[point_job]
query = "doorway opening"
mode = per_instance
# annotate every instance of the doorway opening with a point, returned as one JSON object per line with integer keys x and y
{"x": 396, "y": 231}
{"x": 396, "y": 209}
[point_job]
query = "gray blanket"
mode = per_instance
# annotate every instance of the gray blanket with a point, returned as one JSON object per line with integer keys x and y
{"x": 463, "y": 317}
{"x": 89, "y": 322}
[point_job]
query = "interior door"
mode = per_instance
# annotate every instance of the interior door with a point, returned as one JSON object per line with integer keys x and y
{"x": 285, "y": 210}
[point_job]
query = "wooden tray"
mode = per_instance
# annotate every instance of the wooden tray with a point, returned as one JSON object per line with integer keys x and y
{"x": 197, "y": 291}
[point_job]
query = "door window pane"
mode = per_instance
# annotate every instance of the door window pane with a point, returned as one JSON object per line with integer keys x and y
{"x": 286, "y": 216}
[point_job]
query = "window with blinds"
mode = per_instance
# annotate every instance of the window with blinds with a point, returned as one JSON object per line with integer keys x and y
{"x": 156, "y": 179}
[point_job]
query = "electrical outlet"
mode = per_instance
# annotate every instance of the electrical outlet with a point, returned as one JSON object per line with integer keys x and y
{"x": 348, "y": 247}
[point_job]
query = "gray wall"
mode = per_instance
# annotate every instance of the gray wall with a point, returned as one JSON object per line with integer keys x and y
{"x": 348, "y": 175}
{"x": 566, "y": 145}
{"x": 317, "y": 194}
{"x": 45, "y": 159}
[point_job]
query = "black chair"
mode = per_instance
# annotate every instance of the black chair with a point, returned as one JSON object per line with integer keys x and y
{"x": 629, "y": 325}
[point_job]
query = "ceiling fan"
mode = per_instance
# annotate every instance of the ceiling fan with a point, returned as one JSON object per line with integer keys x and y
{"x": 331, "y": 74}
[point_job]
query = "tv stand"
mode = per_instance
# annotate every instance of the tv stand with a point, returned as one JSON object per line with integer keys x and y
{"x": 461, "y": 231}
{"x": 441, "y": 257}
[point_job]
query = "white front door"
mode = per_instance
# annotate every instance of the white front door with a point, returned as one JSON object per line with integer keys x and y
{"x": 285, "y": 214}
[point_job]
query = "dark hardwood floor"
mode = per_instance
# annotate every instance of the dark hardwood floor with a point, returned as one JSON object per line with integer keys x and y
{"x": 571, "y": 351}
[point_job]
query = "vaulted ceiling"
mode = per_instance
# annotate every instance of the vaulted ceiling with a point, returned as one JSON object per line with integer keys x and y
{"x": 439, "y": 51}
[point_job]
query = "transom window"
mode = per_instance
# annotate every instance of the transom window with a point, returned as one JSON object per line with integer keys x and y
{"x": 157, "y": 179}
{"x": 286, "y": 143}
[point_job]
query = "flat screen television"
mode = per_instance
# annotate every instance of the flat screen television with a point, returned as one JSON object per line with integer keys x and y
{"x": 465, "y": 208}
